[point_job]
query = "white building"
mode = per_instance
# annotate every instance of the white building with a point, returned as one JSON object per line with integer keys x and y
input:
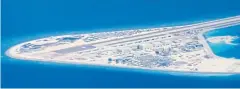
{"x": 123, "y": 50}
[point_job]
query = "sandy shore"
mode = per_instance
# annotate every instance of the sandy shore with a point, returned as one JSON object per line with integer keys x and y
{"x": 166, "y": 71}
{"x": 223, "y": 39}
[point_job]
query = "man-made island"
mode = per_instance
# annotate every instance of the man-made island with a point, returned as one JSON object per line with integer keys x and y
{"x": 178, "y": 48}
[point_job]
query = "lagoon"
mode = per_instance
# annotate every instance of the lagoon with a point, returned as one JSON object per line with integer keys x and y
{"x": 223, "y": 49}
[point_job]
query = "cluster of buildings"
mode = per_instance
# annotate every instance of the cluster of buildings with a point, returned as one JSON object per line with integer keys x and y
{"x": 159, "y": 52}
{"x": 117, "y": 34}
{"x": 162, "y": 51}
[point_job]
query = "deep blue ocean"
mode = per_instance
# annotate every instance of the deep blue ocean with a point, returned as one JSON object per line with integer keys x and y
{"x": 24, "y": 20}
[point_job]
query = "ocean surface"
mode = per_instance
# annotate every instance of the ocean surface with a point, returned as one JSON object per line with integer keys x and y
{"x": 24, "y": 20}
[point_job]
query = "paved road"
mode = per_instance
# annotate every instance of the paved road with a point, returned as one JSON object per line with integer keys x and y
{"x": 160, "y": 33}
{"x": 204, "y": 25}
